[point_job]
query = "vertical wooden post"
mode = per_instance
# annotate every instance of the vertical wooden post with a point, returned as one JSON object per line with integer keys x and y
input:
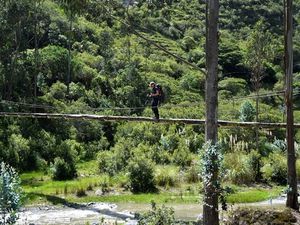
{"x": 211, "y": 192}
{"x": 292, "y": 195}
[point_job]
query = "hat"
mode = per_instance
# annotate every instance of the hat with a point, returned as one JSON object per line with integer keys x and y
{"x": 151, "y": 83}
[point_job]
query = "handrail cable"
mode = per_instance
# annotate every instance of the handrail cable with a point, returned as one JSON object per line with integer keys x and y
{"x": 270, "y": 94}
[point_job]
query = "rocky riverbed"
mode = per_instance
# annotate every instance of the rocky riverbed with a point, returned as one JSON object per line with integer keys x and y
{"x": 90, "y": 213}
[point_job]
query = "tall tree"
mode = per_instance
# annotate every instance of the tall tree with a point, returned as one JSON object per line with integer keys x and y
{"x": 15, "y": 25}
{"x": 292, "y": 194}
{"x": 258, "y": 51}
{"x": 210, "y": 207}
{"x": 72, "y": 8}
{"x": 37, "y": 8}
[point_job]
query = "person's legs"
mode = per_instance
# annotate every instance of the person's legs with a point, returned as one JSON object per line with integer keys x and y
{"x": 155, "y": 108}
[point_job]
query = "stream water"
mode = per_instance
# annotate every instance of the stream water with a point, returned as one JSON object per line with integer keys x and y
{"x": 94, "y": 213}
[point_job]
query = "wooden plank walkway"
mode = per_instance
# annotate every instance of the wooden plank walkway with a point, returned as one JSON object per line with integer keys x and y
{"x": 221, "y": 123}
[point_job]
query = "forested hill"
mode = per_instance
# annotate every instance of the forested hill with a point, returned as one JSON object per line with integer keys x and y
{"x": 94, "y": 57}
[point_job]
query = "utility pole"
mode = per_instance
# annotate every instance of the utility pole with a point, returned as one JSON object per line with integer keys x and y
{"x": 292, "y": 194}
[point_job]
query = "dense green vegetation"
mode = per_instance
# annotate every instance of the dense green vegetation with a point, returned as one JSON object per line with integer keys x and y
{"x": 86, "y": 57}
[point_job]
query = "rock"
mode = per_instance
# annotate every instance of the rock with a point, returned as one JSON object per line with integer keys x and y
{"x": 131, "y": 222}
{"x": 99, "y": 192}
{"x": 90, "y": 203}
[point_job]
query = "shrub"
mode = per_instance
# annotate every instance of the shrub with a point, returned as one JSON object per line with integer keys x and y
{"x": 275, "y": 168}
{"x": 247, "y": 112}
{"x": 166, "y": 177}
{"x": 260, "y": 216}
{"x": 193, "y": 174}
{"x": 106, "y": 163}
{"x": 122, "y": 151}
{"x": 80, "y": 192}
{"x": 41, "y": 164}
{"x": 141, "y": 175}
{"x": 157, "y": 216}
{"x": 233, "y": 86}
{"x": 10, "y": 194}
{"x": 19, "y": 152}
{"x": 159, "y": 155}
{"x": 63, "y": 170}
{"x": 255, "y": 162}
{"x": 182, "y": 156}
{"x": 238, "y": 168}
{"x": 170, "y": 141}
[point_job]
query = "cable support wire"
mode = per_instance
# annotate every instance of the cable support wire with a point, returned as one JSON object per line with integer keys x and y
{"x": 98, "y": 108}
{"x": 270, "y": 94}
{"x": 264, "y": 95}
{"x": 6, "y": 102}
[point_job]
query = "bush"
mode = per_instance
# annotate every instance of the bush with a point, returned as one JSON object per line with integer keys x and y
{"x": 10, "y": 194}
{"x": 238, "y": 168}
{"x": 275, "y": 168}
{"x": 233, "y": 86}
{"x": 65, "y": 163}
{"x": 63, "y": 170}
{"x": 141, "y": 175}
{"x": 260, "y": 217}
{"x": 193, "y": 174}
{"x": 20, "y": 154}
{"x": 159, "y": 155}
{"x": 106, "y": 163}
{"x": 182, "y": 156}
{"x": 166, "y": 177}
{"x": 157, "y": 216}
{"x": 80, "y": 192}
{"x": 255, "y": 162}
{"x": 247, "y": 112}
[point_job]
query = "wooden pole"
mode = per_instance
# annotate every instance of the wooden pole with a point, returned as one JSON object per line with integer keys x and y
{"x": 292, "y": 194}
{"x": 210, "y": 184}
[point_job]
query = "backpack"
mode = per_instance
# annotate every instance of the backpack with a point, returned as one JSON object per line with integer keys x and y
{"x": 161, "y": 96}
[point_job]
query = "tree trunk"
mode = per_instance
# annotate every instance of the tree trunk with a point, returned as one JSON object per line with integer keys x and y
{"x": 210, "y": 207}
{"x": 36, "y": 54}
{"x": 69, "y": 57}
{"x": 256, "y": 120}
{"x": 14, "y": 60}
{"x": 292, "y": 195}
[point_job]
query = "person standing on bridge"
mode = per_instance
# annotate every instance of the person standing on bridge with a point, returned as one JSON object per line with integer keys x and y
{"x": 155, "y": 99}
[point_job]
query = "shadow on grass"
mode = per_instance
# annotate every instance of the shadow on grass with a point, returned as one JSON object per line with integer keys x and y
{"x": 33, "y": 182}
{"x": 88, "y": 206}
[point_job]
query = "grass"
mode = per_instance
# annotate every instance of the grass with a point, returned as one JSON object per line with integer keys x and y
{"x": 249, "y": 195}
{"x": 141, "y": 198}
{"x": 40, "y": 188}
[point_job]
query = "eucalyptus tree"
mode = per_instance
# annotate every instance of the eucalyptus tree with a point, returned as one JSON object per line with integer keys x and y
{"x": 72, "y": 8}
{"x": 292, "y": 193}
